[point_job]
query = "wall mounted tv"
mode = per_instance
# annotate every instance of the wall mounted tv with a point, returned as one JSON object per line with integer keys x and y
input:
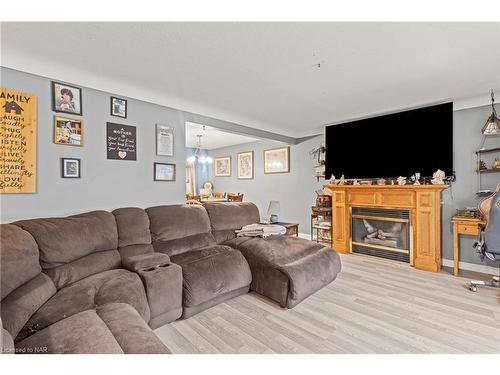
{"x": 398, "y": 144}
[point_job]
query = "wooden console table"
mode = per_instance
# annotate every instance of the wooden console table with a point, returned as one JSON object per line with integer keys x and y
{"x": 465, "y": 226}
{"x": 423, "y": 202}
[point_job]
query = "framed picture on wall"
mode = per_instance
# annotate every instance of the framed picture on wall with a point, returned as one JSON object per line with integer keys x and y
{"x": 66, "y": 98}
{"x": 118, "y": 107}
{"x": 277, "y": 160}
{"x": 164, "y": 140}
{"x": 68, "y": 131}
{"x": 121, "y": 141}
{"x": 164, "y": 172}
{"x": 222, "y": 166}
{"x": 245, "y": 165}
{"x": 70, "y": 168}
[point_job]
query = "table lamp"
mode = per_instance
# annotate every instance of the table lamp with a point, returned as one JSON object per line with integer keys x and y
{"x": 273, "y": 210}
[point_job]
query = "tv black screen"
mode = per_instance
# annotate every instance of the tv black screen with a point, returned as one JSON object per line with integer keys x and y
{"x": 398, "y": 144}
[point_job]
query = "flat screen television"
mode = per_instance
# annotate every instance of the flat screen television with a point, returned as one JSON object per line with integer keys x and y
{"x": 398, "y": 144}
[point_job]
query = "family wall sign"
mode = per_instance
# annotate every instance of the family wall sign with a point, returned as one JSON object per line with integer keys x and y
{"x": 17, "y": 142}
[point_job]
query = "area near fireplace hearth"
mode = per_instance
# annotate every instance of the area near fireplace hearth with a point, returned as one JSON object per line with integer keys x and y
{"x": 418, "y": 214}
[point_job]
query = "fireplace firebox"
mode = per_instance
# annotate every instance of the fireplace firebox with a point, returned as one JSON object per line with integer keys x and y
{"x": 381, "y": 232}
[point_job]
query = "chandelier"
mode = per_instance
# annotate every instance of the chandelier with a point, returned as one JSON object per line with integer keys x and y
{"x": 198, "y": 156}
{"x": 492, "y": 126}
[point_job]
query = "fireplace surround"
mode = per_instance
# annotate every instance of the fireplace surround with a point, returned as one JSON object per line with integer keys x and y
{"x": 423, "y": 203}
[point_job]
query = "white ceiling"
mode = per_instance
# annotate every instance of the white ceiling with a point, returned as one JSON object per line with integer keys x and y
{"x": 266, "y": 75}
{"x": 213, "y": 138}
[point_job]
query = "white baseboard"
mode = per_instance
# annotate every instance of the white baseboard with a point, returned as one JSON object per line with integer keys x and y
{"x": 482, "y": 268}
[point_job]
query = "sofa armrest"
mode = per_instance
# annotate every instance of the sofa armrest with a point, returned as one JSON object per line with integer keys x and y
{"x": 162, "y": 281}
{"x": 145, "y": 262}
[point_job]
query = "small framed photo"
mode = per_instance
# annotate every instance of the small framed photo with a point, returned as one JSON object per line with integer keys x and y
{"x": 68, "y": 131}
{"x": 164, "y": 172}
{"x": 277, "y": 160}
{"x": 245, "y": 165}
{"x": 118, "y": 107}
{"x": 66, "y": 98}
{"x": 70, "y": 168}
{"x": 222, "y": 166}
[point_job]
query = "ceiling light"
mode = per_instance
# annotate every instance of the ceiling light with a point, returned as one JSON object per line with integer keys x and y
{"x": 492, "y": 126}
{"x": 198, "y": 153}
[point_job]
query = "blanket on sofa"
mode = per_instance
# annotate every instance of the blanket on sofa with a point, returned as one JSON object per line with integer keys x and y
{"x": 260, "y": 230}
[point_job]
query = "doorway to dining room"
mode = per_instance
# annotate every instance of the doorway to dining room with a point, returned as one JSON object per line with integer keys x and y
{"x": 201, "y": 140}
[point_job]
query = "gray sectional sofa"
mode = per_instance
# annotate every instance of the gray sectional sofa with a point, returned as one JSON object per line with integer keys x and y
{"x": 99, "y": 282}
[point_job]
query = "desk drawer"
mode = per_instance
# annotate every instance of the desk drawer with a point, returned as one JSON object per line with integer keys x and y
{"x": 468, "y": 229}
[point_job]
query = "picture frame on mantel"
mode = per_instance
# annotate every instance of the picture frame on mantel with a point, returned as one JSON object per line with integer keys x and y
{"x": 277, "y": 160}
{"x": 222, "y": 166}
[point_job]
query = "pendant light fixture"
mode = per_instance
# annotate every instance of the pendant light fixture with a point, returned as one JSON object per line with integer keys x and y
{"x": 492, "y": 126}
{"x": 197, "y": 156}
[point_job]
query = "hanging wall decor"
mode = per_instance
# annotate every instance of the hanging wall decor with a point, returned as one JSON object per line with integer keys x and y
{"x": 245, "y": 165}
{"x": 66, "y": 98}
{"x": 277, "y": 160}
{"x": 17, "y": 142}
{"x": 68, "y": 131}
{"x": 118, "y": 107}
{"x": 164, "y": 140}
{"x": 121, "y": 141}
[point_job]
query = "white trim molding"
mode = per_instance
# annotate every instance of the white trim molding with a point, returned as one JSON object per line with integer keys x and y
{"x": 482, "y": 268}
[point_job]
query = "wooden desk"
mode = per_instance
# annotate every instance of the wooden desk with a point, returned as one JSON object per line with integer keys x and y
{"x": 465, "y": 226}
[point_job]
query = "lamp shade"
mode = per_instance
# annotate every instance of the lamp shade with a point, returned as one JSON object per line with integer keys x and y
{"x": 274, "y": 208}
{"x": 492, "y": 125}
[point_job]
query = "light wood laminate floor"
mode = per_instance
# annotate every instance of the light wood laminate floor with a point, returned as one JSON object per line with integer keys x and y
{"x": 374, "y": 306}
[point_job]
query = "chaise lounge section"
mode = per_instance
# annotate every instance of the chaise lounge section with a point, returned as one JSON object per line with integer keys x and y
{"x": 285, "y": 269}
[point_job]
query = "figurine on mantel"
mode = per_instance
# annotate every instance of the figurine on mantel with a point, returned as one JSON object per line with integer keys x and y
{"x": 355, "y": 182}
{"x": 438, "y": 177}
{"x": 401, "y": 180}
{"x": 332, "y": 179}
{"x": 341, "y": 180}
{"x": 381, "y": 181}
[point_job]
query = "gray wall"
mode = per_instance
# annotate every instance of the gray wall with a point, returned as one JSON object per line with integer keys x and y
{"x": 105, "y": 184}
{"x": 294, "y": 190}
{"x": 467, "y": 139}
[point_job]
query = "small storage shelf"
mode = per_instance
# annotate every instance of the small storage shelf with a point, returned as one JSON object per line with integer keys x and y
{"x": 491, "y": 170}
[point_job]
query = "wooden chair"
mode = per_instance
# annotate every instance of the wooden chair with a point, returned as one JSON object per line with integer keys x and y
{"x": 234, "y": 197}
{"x": 194, "y": 202}
{"x": 219, "y": 194}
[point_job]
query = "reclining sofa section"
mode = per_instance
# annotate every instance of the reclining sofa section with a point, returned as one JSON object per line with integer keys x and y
{"x": 91, "y": 283}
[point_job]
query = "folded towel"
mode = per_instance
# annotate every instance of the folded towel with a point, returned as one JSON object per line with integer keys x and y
{"x": 260, "y": 230}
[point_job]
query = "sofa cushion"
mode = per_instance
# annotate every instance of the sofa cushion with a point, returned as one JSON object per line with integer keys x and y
{"x": 226, "y": 217}
{"x": 176, "y": 229}
{"x": 129, "y": 329}
{"x": 6, "y": 342}
{"x": 82, "y": 333}
{"x": 18, "y": 258}
{"x": 210, "y": 272}
{"x": 75, "y": 247}
{"x": 134, "y": 237}
{"x": 110, "y": 286}
{"x": 66, "y": 239}
{"x": 288, "y": 269}
{"x": 22, "y": 303}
